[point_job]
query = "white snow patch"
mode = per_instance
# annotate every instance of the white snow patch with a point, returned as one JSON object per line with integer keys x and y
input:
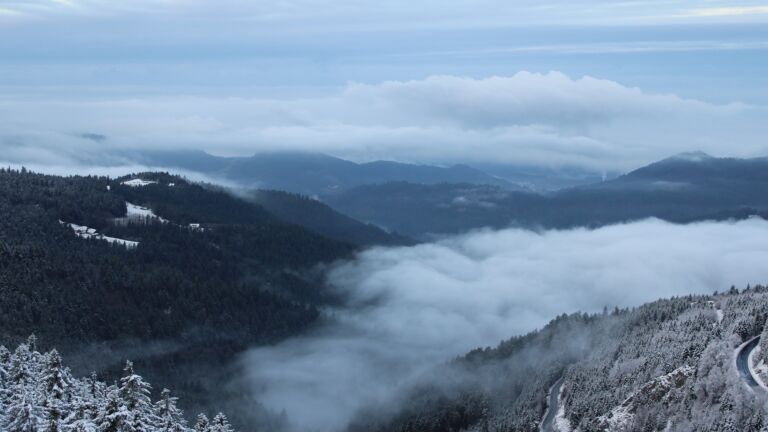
{"x": 109, "y": 187}
{"x": 719, "y": 313}
{"x": 86, "y": 232}
{"x": 759, "y": 370}
{"x": 138, "y": 182}
{"x": 562, "y": 424}
{"x": 619, "y": 418}
{"x": 139, "y": 212}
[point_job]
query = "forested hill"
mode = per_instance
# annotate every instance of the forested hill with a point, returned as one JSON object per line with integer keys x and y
{"x": 322, "y": 219}
{"x": 183, "y": 274}
{"x": 665, "y": 366}
{"x": 238, "y": 273}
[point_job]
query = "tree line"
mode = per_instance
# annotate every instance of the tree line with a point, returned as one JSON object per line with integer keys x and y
{"x": 39, "y": 394}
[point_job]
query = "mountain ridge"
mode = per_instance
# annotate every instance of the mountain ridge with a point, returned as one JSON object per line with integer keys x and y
{"x": 675, "y": 189}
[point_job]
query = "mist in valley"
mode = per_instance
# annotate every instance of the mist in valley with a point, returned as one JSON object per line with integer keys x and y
{"x": 409, "y": 309}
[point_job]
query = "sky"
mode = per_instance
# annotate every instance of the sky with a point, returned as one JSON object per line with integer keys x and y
{"x": 590, "y": 83}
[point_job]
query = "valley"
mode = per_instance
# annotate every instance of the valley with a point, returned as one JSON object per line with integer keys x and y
{"x": 199, "y": 274}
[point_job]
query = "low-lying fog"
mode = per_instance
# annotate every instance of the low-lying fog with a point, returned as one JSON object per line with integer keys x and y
{"x": 410, "y": 308}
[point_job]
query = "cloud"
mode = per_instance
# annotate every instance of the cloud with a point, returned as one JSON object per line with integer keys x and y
{"x": 410, "y": 309}
{"x": 730, "y": 11}
{"x": 329, "y": 12}
{"x": 526, "y": 118}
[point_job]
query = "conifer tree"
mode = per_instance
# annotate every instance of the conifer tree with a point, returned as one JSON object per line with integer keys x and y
{"x": 202, "y": 424}
{"x": 38, "y": 394}
{"x": 56, "y": 386}
{"x": 170, "y": 418}
{"x": 220, "y": 423}
{"x": 5, "y": 365}
{"x": 82, "y": 418}
{"x": 22, "y": 415}
{"x": 114, "y": 417}
{"x": 20, "y": 375}
{"x": 134, "y": 395}
{"x": 53, "y": 418}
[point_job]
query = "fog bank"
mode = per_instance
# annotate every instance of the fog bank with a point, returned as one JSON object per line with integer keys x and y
{"x": 410, "y": 308}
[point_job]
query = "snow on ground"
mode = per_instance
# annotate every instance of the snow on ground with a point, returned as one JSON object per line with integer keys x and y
{"x": 759, "y": 370}
{"x": 85, "y": 232}
{"x": 562, "y": 424}
{"x": 139, "y": 212}
{"x": 619, "y": 418}
{"x": 138, "y": 182}
{"x": 719, "y": 313}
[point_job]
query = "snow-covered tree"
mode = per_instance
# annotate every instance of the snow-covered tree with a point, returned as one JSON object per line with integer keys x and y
{"x": 22, "y": 415}
{"x": 5, "y": 365}
{"x": 39, "y": 394}
{"x": 56, "y": 385}
{"x": 134, "y": 394}
{"x": 82, "y": 418}
{"x": 202, "y": 424}
{"x": 169, "y": 417}
{"x": 220, "y": 423}
{"x": 113, "y": 417}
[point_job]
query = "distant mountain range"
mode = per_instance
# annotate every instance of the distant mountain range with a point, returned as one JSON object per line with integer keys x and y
{"x": 683, "y": 188}
{"x": 312, "y": 174}
{"x": 419, "y": 201}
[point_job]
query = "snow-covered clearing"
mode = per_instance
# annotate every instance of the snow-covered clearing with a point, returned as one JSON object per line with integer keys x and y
{"x": 139, "y": 212}
{"x": 138, "y": 182}
{"x": 86, "y": 232}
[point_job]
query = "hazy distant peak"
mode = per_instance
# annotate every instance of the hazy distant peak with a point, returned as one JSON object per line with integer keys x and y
{"x": 693, "y": 156}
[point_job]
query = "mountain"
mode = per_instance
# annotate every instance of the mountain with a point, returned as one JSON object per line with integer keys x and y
{"x": 545, "y": 178}
{"x": 418, "y": 210}
{"x": 699, "y": 169}
{"x": 149, "y": 275}
{"x": 668, "y": 365}
{"x": 181, "y": 275}
{"x": 309, "y": 173}
{"x": 322, "y": 219}
{"x": 683, "y": 188}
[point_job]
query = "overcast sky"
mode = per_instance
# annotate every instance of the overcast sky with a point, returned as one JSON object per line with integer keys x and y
{"x": 601, "y": 84}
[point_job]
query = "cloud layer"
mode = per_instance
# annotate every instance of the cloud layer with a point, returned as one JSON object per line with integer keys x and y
{"x": 448, "y": 12}
{"x": 524, "y": 118}
{"x": 412, "y": 308}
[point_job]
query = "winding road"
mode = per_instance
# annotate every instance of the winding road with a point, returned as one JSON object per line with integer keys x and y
{"x": 548, "y": 422}
{"x": 742, "y": 362}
